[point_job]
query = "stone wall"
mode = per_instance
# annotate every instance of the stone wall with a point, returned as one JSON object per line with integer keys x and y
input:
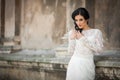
{"x": 24, "y": 66}
{"x": 31, "y": 71}
{"x": 43, "y": 71}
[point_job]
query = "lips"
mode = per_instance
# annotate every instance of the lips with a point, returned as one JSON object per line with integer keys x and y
{"x": 80, "y": 26}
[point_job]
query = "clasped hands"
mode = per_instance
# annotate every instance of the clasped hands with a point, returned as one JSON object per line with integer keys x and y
{"x": 75, "y": 35}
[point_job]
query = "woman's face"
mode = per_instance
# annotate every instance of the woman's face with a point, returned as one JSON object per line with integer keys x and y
{"x": 80, "y": 21}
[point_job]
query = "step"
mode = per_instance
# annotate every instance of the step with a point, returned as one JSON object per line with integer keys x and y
{"x": 5, "y": 49}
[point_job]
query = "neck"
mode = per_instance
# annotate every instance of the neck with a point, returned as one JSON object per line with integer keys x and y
{"x": 86, "y": 27}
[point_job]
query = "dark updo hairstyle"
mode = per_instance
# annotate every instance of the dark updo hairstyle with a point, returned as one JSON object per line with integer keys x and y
{"x": 80, "y": 11}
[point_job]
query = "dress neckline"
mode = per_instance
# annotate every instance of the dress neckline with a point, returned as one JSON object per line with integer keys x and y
{"x": 88, "y": 29}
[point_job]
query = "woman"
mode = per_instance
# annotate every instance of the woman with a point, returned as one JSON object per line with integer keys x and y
{"x": 84, "y": 42}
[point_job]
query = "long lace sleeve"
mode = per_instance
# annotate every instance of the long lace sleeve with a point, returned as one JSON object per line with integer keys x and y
{"x": 95, "y": 44}
{"x": 71, "y": 44}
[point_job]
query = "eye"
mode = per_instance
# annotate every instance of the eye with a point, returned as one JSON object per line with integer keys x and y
{"x": 80, "y": 19}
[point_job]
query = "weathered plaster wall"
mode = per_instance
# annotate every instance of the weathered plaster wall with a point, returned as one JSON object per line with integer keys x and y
{"x": 107, "y": 19}
{"x": 0, "y": 18}
{"x": 44, "y": 23}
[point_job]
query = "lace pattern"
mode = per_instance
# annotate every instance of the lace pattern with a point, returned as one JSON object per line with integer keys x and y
{"x": 91, "y": 40}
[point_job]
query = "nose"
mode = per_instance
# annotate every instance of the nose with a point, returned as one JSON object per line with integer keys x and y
{"x": 79, "y": 23}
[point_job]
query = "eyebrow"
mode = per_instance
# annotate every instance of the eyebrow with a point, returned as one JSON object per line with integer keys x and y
{"x": 75, "y": 20}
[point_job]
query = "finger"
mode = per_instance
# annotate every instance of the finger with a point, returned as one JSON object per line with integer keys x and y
{"x": 78, "y": 32}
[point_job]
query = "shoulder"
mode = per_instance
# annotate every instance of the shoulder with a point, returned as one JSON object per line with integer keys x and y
{"x": 97, "y": 31}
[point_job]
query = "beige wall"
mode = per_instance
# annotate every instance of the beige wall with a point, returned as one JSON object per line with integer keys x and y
{"x": 0, "y": 19}
{"x": 44, "y": 23}
{"x": 108, "y": 20}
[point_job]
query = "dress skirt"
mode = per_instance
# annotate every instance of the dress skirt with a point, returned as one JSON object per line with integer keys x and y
{"x": 81, "y": 68}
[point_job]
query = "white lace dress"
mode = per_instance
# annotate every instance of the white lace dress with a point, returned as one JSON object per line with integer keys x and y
{"x": 81, "y": 65}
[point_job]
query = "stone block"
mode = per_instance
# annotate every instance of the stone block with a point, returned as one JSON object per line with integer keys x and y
{"x": 10, "y": 43}
{"x": 5, "y": 49}
{"x": 61, "y": 51}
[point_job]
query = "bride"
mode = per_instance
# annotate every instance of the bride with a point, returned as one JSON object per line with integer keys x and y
{"x": 84, "y": 43}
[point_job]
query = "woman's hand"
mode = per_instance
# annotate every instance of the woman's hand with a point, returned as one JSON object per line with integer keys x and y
{"x": 78, "y": 35}
{"x": 73, "y": 34}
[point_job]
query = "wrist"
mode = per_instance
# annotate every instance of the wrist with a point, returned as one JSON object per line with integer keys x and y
{"x": 79, "y": 36}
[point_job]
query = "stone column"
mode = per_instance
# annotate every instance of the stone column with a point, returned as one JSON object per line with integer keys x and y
{"x": 22, "y": 22}
{"x": 0, "y": 18}
{"x": 9, "y": 19}
{"x": 22, "y": 17}
{"x": 9, "y": 28}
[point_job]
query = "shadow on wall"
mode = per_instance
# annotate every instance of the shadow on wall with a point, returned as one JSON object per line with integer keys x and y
{"x": 7, "y": 77}
{"x": 104, "y": 77}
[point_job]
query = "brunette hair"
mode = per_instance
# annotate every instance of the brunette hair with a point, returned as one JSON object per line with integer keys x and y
{"x": 80, "y": 11}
